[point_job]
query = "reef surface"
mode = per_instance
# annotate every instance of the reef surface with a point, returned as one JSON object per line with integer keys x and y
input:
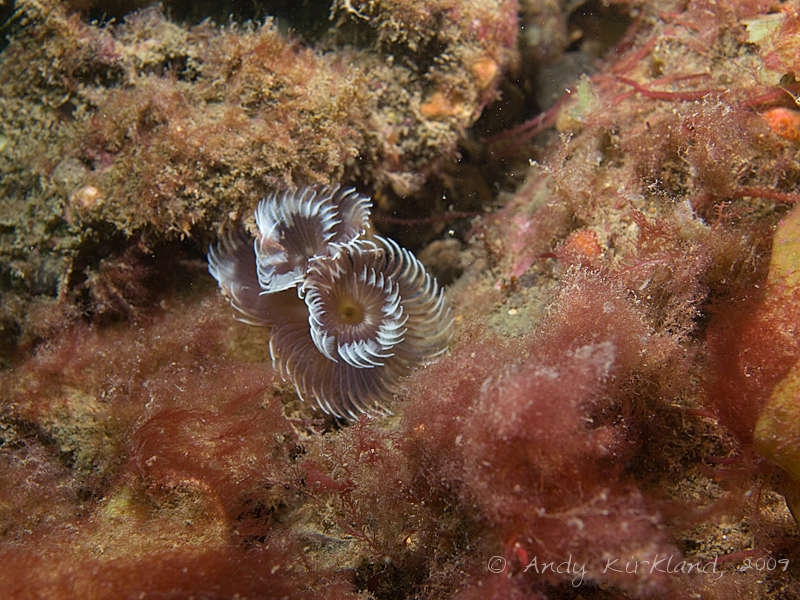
{"x": 609, "y": 193}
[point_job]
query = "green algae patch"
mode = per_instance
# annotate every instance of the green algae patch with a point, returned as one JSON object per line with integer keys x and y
{"x": 131, "y": 522}
{"x": 784, "y": 266}
{"x": 777, "y": 433}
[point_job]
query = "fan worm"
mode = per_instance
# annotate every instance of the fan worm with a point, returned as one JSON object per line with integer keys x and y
{"x": 350, "y": 313}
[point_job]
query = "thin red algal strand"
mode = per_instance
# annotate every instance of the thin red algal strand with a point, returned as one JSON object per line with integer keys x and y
{"x": 683, "y": 96}
{"x": 660, "y": 81}
{"x": 774, "y": 96}
{"x": 629, "y": 62}
{"x": 516, "y": 136}
{"x": 765, "y": 193}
